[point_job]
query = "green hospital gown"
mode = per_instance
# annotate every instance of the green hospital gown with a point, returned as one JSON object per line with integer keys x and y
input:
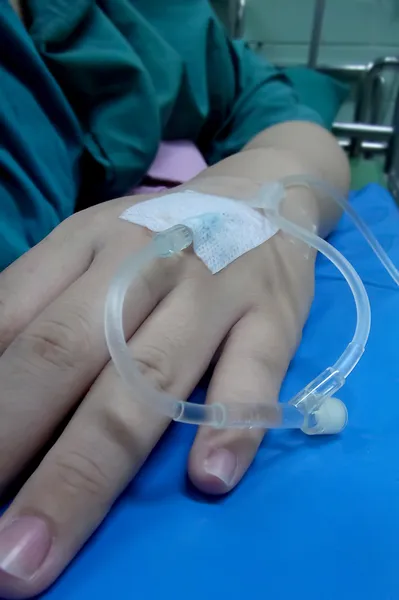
{"x": 138, "y": 71}
{"x": 120, "y": 76}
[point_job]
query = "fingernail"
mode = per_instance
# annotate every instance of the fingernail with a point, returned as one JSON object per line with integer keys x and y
{"x": 222, "y": 464}
{"x": 24, "y": 544}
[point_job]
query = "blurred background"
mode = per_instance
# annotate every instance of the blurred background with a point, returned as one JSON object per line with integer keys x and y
{"x": 354, "y": 41}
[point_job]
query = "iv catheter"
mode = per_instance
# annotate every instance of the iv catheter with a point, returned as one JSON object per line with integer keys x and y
{"x": 314, "y": 409}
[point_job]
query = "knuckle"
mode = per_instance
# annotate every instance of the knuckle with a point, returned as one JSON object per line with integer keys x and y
{"x": 59, "y": 343}
{"x": 120, "y": 235}
{"x": 132, "y": 427}
{"x": 282, "y": 337}
{"x": 70, "y": 226}
{"x": 7, "y": 333}
{"x": 290, "y": 321}
{"x": 286, "y": 311}
{"x": 8, "y": 322}
{"x": 69, "y": 234}
{"x": 195, "y": 272}
{"x": 154, "y": 363}
{"x": 79, "y": 474}
{"x": 99, "y": 221}
{"x": 66, "y": 233}
{"x": 149, "y": 281}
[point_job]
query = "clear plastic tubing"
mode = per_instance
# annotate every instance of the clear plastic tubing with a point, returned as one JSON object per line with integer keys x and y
{"x": 331, "y": 192}
{"x": 314, "y": 409}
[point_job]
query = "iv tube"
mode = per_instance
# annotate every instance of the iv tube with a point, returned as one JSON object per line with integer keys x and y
{"x": 313, "y": 410}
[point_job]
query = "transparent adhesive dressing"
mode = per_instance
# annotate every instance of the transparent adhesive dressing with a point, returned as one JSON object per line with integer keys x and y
{"x": 314, "y": 409}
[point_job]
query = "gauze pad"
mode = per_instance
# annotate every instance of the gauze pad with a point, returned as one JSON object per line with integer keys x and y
{"x": 223, "y": 229}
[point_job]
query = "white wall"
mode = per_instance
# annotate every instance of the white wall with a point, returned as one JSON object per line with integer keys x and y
{"x": 355, "y": 31}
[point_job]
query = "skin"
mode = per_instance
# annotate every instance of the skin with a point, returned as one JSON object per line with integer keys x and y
{"x": 247, "y": 320}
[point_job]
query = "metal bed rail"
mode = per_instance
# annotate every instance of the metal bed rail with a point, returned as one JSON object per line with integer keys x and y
{"x": 393, "y": 155}
{"x": 365, "y": 136}
{"x": 372, "y": 139}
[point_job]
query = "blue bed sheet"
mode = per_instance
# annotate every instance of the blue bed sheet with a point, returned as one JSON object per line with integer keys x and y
{"x": 315, "y": 518}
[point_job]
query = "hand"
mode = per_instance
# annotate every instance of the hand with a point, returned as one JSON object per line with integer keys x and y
{"x": 54, "y": 360}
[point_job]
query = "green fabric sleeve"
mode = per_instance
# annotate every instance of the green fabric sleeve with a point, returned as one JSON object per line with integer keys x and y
{"x": 137, "y": 72}
{"x": 264, "y": 97}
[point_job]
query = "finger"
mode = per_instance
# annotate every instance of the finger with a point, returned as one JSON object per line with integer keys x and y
{"x": 251, "y": 368}
{"x": 33, "y": 281}
{"x": 39, "y": 276}
{"x": 53, "y": 362}
{"x": 73, "y": 489}
{"x": 107, "y": 440}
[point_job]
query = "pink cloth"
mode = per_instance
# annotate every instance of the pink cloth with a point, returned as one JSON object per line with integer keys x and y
{"x": 175, "y": 163}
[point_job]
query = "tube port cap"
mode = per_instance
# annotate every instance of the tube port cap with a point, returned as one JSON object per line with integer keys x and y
{"x": 331, "y": 417}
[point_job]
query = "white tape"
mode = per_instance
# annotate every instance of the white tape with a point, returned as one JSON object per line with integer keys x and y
{"x": 223, "y": 229}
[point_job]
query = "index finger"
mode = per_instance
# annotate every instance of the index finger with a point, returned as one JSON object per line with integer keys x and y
{"x": 32, "y": 282}
{"x": 39, "y": 276}
{"x": 58, "y": 356}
